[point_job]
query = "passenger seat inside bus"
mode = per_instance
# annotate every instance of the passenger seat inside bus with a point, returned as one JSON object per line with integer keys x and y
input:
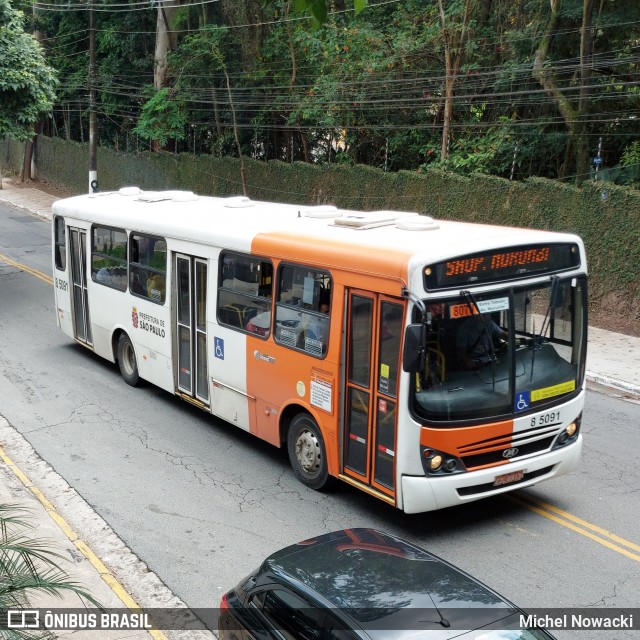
{"x": 136, "y": 285}
{"x": 156, "y": 287}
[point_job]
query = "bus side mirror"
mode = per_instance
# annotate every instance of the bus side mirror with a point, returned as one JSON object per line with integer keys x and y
{"x": 413, "y": 353}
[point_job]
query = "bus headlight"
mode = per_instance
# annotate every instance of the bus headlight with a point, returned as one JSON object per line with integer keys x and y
{"x": 569, "y": 433}
{"x": 439, "y": 463}
{"x": 450, "y": 464}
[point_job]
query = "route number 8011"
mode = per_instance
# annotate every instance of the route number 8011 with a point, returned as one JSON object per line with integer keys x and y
{"x": 545, "y": 418}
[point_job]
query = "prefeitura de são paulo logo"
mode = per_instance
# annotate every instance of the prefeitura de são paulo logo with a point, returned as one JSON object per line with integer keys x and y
{"x": 134, "y": 317}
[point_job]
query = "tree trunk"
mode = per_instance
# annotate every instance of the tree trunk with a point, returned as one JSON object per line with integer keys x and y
{"x": 26, "y": 161}
{"x": 454, "y": 42}
{"x": 243, "y": 173}
{"x": 449, "y": 85}
{"x": 305, "y": 146}
{"x": 216, "y": 108}
{"x": 292, "y": 83}
{"x": 165, "y": 42}
{"x": 66, "y": 116}
{"x": 547, "y": 81}
{"x": 586, "y": 50}
{"x": 28, "y": 164}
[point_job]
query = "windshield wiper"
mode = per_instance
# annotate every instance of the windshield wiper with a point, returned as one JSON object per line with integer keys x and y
{"x": 546, "y": 322}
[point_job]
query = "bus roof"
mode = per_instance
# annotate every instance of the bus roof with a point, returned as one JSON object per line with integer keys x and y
{"x": 388, "y": 242}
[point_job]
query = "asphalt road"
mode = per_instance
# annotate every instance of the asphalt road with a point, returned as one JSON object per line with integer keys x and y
{"x": 202, "y": 503}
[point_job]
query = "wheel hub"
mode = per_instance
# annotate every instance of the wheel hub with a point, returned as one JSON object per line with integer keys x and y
{"x": 308, "y": 451}
{"x": 128, "y": 359}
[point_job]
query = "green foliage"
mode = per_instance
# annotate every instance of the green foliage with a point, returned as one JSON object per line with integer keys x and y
{"x": 124, "y": 61}
{"x": 121, "y": 53}
{"x": 359, "y": 89}
{"x": 29, "y": 566}
{"x": 490, "y": 152}
{"x": 162, "y": 118}
{"x": 631, "y": 155}
{"x": 26, "y": 81}
{"x": 319, "y": 8}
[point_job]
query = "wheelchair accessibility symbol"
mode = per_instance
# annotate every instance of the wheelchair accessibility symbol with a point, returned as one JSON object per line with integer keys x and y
{"x": 218, "y": 346}
{"x": 522, "y": 401}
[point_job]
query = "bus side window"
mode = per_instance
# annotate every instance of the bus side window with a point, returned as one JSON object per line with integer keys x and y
{"x": 148, "y": 267}
{"x": 60, "y": 243}
{"x": 245, "y": 293}
{"x": 303, "y": 309}
{"x": 109, "y": 257}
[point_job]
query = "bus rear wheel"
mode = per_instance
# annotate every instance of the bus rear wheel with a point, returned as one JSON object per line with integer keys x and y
{"x": 127, "y": 360}
{"x": 307, "y": 452}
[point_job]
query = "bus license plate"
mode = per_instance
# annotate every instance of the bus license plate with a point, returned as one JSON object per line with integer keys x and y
{"x": 508, "y": 478}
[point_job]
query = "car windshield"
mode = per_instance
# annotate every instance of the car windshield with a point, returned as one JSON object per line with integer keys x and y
{"x": 499, "y": 354}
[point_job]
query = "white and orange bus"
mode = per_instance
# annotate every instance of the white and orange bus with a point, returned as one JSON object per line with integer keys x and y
{"x": 428, "y": 363}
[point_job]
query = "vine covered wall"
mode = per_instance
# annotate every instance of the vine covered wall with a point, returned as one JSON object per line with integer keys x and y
{"x": 607, "y": 217}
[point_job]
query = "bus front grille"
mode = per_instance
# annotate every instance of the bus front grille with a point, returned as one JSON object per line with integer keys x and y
{"x": 491, "y": 457}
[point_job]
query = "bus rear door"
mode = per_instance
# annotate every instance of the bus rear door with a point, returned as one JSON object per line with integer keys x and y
{"x": 374, "y": 336}
{"x": 190, "y": 309}
{"x": 80, "y": 301}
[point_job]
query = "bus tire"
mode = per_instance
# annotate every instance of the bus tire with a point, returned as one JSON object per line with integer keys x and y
{"x": 307, "y": 452}
{"x": 127, "y": 361}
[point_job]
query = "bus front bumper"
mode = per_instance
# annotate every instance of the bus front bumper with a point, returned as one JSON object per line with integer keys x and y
{"x": 420, "y": 494}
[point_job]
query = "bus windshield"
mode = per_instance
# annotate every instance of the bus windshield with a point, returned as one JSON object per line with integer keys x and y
{"x": 503, "y": 353}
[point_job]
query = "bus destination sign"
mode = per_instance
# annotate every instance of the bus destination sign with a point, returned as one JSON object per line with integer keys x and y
{"x": 501, "y": 264}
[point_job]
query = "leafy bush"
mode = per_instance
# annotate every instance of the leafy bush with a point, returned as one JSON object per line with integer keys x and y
{"x": 29, "y": 565}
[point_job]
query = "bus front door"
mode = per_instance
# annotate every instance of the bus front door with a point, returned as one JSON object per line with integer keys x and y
{"x": 374, "y": 335}
{"x": 190, "y": 313}
{"x": 78, "y": 250}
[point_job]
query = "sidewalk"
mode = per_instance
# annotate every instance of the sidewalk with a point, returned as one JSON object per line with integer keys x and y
{"x": 612, "y": 361}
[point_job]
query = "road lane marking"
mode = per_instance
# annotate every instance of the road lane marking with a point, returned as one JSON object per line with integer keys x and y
{"x": 79, "y": 544}
{"x": 23, "y": 267}
{"x": 585, "y": 529}
{"x": 584, "y": 523}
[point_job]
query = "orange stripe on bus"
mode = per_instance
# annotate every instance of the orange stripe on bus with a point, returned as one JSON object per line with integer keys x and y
{"x": 482, "y": 438}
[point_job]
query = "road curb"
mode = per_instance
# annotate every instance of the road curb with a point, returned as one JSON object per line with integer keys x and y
{"x": 613, "y": 383}
{"x": 43, "y": 213}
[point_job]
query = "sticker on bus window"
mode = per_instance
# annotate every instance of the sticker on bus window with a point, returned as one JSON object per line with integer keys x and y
{"x": 383, "y": 381}
{"x": 483, "y": 306}
{"x": 555, "y": 390}
{"x": 522, "y": 401}
{"x": 307, "y": 292}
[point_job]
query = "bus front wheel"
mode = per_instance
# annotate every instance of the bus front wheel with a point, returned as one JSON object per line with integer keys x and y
{"x": 307, "y": 452}
{"x": 127, "y": 360}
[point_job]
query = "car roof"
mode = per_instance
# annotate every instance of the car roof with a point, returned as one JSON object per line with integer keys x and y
{"x": 382, "y": 582}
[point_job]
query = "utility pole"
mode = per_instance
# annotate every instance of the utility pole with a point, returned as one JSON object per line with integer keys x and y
{"x": 93, "y": 123}
{"x": 513, "y": 162}
{"x": 598, "y": 159}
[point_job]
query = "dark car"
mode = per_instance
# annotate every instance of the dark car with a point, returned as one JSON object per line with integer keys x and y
{"x": 360, "y": 583}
